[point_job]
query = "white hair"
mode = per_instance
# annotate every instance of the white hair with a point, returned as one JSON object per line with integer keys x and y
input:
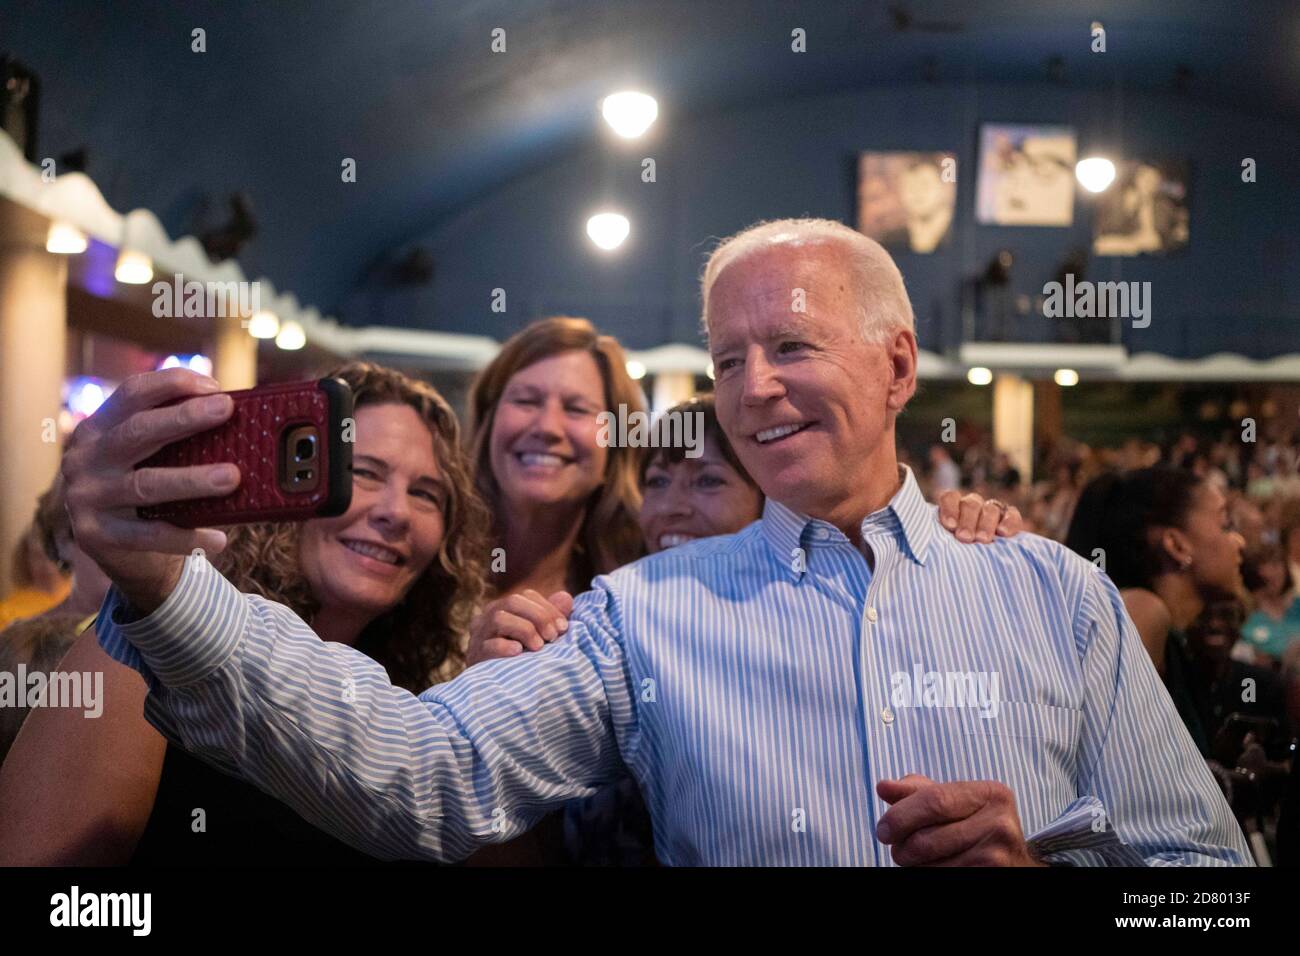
{"x": 882, "y": 303}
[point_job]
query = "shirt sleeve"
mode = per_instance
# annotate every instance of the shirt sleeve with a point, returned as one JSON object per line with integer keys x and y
{"x": 247, "y": 686}
{"x": 1145, "y": 795}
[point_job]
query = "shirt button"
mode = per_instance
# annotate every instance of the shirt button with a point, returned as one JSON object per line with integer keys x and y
{"x": 887, "y": 715}
{"x": 872, "y": 615}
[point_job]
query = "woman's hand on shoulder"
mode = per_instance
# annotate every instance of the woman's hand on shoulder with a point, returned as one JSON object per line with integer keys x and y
{"x": 520, "y": 622}
{"x": 971, "y": 518}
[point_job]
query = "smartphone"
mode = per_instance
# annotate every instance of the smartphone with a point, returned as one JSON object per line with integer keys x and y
{"x": 293, "y": 445}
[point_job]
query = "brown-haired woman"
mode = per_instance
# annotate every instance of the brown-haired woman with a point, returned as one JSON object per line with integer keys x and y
{"x": 397, "y": 576}
{"x": 564, "y": 505}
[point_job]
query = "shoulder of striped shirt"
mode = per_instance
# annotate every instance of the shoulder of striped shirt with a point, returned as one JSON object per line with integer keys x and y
{"x": 1072, "y": 570}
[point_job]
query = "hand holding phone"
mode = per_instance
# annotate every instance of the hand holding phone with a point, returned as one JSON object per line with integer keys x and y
{"x": 294, "y": 455}
{"x": 106, "y": 488}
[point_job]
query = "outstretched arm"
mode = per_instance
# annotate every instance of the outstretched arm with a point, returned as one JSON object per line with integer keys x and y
{"x": 247, "y": 686}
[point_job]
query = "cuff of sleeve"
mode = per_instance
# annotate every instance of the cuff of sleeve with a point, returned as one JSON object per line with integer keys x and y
{"x": 1083, "y": 836}
{"x": 188, "y": 637}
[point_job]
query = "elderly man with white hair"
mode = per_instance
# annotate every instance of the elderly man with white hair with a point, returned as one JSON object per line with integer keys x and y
{"x": 838, "y": 683}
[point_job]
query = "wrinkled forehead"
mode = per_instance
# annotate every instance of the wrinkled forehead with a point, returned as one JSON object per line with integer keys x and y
{"x": 782, "y": 282}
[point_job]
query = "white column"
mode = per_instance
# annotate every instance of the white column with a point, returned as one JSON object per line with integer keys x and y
{"x": 234, "y": 354}
{"x": 33, "y": 346}
{"x": 670, "y": 389}
{"x": 1013, "y": 421}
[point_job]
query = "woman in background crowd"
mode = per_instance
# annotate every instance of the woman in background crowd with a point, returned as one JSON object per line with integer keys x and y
{"x": 397, "y": 576}
{"x": 1164, "y": 538}
{"x": 38, "y": 582}
{"x": 689, "y": 498}
{"x": 1275, "y": 622}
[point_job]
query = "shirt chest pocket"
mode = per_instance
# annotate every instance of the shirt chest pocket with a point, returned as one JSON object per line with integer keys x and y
{"x": 1031, "y": 747}
{"x": 1013, "y": 718}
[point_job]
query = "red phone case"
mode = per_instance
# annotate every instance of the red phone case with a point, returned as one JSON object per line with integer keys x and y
{"x": 251, "y": 440}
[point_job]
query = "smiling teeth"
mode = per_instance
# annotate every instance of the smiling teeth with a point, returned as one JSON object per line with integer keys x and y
{"x": 530, "y": 458}
{"x": 373, "y": 551}
{"x": 673, "y": 540}
{"x": 779, "y": 432}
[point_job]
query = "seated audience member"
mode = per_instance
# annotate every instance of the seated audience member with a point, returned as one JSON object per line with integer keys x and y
{"x": 38, "y": 643}
{"x": 1243, "y": 710}
{"x": 1222, "y": 687}
{"x": 1163, "y": 537}
{"x": 395, "y": 577}
{"x": 742, "y": 680}
{"x": 944, "y": 473}
{"x": 1290, "y": 540}
{"x": 1275, "y": 622}
{"x": 38, "y": 583}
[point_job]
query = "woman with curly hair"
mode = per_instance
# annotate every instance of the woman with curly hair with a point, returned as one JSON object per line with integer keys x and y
{"x": 397, "y": 576}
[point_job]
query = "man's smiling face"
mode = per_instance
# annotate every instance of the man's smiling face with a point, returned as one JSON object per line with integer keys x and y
{"x": 808, "y": 404}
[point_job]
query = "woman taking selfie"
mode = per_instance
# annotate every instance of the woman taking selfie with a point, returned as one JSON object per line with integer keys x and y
{"x": 397, "y": 576}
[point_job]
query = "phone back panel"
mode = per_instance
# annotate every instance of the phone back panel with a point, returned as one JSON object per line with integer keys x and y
{"x": 251, "y": 440}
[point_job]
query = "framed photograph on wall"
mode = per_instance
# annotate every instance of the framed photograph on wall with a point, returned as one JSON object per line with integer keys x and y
{"x": 1144, "y": 211}
{"x": 906, "y": 201}
{"x": 1026, "y": 175}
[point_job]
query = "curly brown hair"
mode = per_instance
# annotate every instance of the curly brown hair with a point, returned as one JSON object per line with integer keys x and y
{"x": 422, "y": 639}
{"x": 610, "y": 536}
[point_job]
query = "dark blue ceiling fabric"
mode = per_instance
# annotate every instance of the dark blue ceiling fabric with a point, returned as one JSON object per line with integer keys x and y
{"x": 436, "y": 121}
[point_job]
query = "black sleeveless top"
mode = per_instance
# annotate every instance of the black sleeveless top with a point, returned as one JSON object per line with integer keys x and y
{"x": 242, "y": 825}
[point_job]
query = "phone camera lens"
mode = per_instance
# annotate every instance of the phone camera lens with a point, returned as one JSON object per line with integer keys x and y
{"x": 305, "y": 449}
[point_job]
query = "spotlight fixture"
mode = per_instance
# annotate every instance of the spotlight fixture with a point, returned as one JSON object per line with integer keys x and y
{"x": 629, "y": 113}
{"x": 608, "y": 229}
{"x": 1065, "y": 377}
{"x": 291, "y": 337}
{"x": 635, "y": 369}
{"x": 979, "y": 375}
{"x": 1095, "y": 173}
{"x": 65, "y": 239}
{"x": 264, "y": 324}
{"x": 133, "y": 268}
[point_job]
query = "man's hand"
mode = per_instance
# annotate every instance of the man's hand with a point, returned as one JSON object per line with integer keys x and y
{"x": 518, "y": 622}
{"x": 967, "y": 823}
{"x": 104, "y": 488}
{"x": 970, "y": 518}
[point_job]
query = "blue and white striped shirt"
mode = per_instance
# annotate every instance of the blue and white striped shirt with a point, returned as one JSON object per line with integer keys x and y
{"x": 756, "y": 686}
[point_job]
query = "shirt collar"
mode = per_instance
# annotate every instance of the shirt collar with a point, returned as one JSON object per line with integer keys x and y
{"x": 907, "y": 515}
